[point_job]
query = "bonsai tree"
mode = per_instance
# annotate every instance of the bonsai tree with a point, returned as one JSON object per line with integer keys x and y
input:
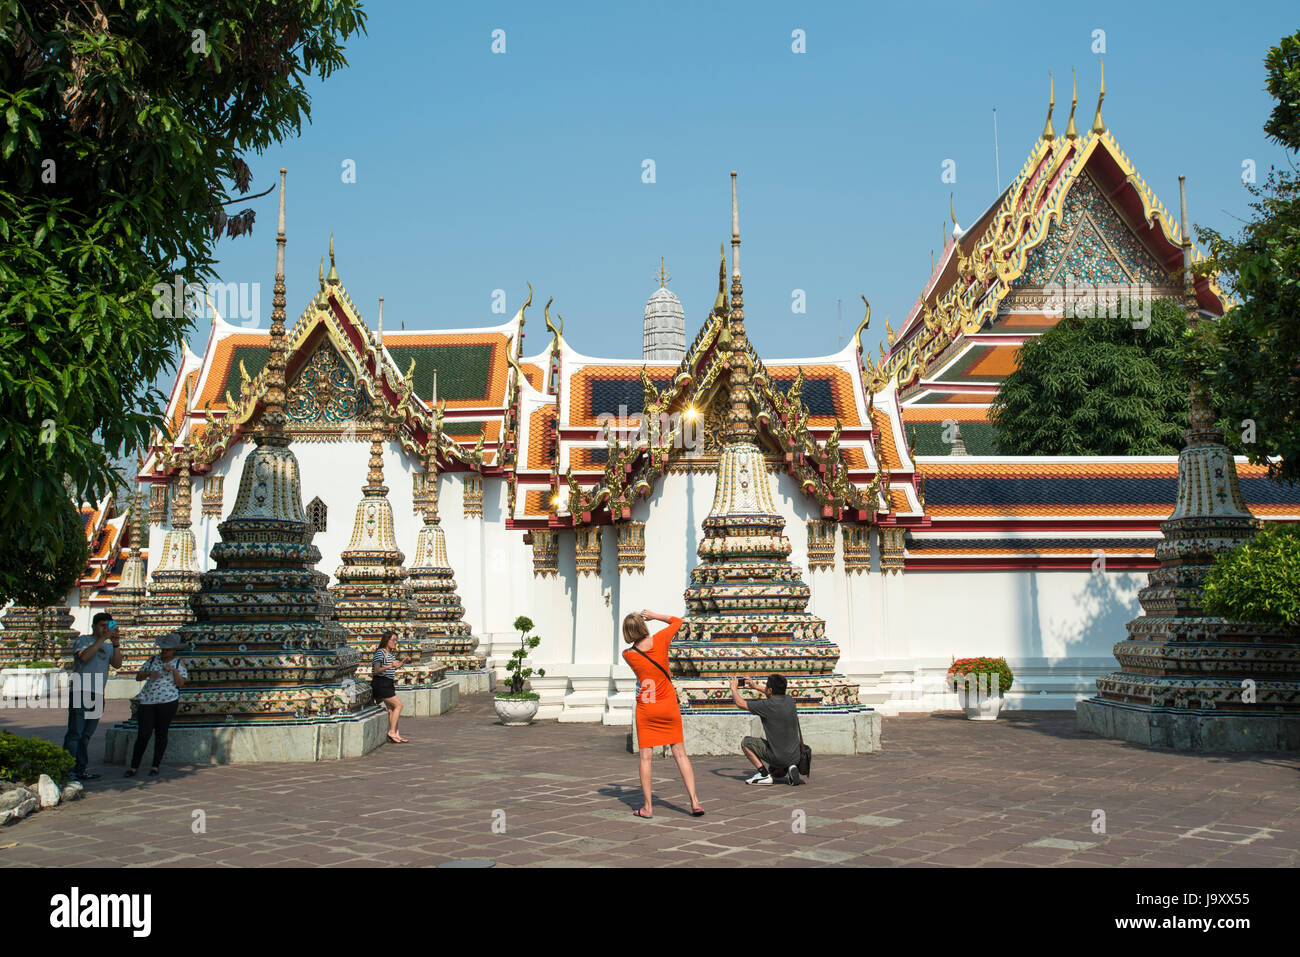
{"x": 518, "y": 674}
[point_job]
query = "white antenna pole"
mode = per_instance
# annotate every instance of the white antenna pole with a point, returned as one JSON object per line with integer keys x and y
{"x": 997, "y": 164}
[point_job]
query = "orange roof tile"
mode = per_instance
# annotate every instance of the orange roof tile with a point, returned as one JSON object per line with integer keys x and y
{"x": 541, "y": 429}
{"x": 889, "y": 456}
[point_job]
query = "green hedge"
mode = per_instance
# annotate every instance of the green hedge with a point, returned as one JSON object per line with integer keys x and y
{"x": 1258, "y": 580}
{"x": 25, "y": 759}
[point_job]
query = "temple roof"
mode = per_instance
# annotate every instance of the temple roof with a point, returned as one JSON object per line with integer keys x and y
{"x": 1078, "y": 212}
{"x": 215, "y": 401}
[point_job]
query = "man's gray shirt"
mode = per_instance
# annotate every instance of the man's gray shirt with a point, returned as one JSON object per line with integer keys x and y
{"x": 97, "y": 665}
{"x": 780, "y": 726}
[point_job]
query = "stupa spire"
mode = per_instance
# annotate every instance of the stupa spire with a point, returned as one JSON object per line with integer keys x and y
{"x": 273, "y": 419}
{"x": 740, "y": 416}
{"x": 746, "y": 601}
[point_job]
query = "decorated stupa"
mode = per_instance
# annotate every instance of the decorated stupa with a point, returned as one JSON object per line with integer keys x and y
{"x": 438, "y": 605}
{"x": 175, "y": 578}
{"x": 271, "y": 674}
{"x": 373, "y": 594}
{"x": 129, "y": 596}
{"x": 37, "y": 634}
{"x": 746, "y": 601}
{"x": 1188, "y": 679}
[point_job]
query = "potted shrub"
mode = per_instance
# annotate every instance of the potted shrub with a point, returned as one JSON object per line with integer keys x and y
{"x": 980, "y": 684}
{"x": 516, "y": 706}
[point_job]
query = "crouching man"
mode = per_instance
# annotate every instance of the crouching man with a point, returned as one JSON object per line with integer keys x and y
{"x": 778, "y": 750}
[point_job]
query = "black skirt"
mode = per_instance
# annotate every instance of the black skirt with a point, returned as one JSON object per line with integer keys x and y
{"x": 383, "y": 688}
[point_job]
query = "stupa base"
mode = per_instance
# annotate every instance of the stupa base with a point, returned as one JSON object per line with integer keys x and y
{"x": 1189, "y": 730}
{"x": 472, "y": 681}
{"x": 851, "y": 731}
{"x": 232, "y": 742}
{"x": 428, "y": 700}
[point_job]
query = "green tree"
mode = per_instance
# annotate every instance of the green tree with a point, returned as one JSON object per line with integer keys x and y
{"x": 1251, "y": 357}
{"x": 24, "y": 562}
{"x": 123, "y": 132}
{"x": 1259, "y": 580}
{"x": 1095, "y": 385}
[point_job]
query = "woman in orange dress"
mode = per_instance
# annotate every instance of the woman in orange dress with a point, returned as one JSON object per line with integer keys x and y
{"x": 658, "y": 718}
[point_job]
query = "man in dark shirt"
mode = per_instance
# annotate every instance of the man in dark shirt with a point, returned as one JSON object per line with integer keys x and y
{"x": 781, "y": 745}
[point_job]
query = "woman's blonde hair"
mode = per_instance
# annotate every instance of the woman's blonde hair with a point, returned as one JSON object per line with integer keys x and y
{"x": 634, "y": 628}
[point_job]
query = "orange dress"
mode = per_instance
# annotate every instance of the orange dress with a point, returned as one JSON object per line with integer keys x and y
{"x": 658, "y": 718}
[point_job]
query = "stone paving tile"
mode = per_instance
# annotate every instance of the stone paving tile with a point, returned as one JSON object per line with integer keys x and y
{"x": 942, "y": 792}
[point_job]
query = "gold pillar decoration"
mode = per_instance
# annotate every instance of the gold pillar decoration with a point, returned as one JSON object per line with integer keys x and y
{"x": 587, "y": 550}
{"x": 213, "y": 495}
{"x": 546, "y": 553}
{"x": 474, "y": 497}
{"x": 158, "y": 505}
{"x": 419, "y": 489}
{"x": 857, "y": 549}
{"x": 891, "y": 549}
{"x": 631, "y": 547}
{"x": 821, "y": 545}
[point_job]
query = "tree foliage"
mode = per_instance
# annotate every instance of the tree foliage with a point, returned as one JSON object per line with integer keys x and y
{"x": 1095, "y": 385}
{"x": 1258, "y": 580}
{"x": 1251, "y": 357}
{"x": 123, "y": 131}
{"x": 32, "y": 577}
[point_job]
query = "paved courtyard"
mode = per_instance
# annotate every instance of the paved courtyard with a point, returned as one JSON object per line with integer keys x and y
{"x": 1025, "y": 789}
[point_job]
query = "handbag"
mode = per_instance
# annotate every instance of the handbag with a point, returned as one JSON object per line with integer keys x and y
{"x": 653, "y": 662}
{"x": 805, "y": 757}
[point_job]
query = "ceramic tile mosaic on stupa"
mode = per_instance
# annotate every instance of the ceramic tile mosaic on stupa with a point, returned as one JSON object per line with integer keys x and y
{"x": 128, "y": 598}
{"x": 37, "y": 634}
{"x": 373, "y": 593}
{"x": 746, "y": 601}
{"x": 175, "y": 578}
{"x": 433, "y": 583}
{"x": 264, "y": 647}
{"x": 1188, "y": 678}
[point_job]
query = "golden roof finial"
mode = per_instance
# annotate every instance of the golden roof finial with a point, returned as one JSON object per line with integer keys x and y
{"x": 720, "y": 303}
{"x": 662, "y": 275}
{"x": 333, "y": 277}
{"x": 1098, "y": 125}
{"x": 1049, "y": 133}
{"x": 320, "y": 275}
{"x": 1071, "y": 131}
{"x": 862, "y": 327}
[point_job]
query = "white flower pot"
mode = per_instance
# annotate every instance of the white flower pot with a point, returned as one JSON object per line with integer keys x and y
{"x": 981, "y": 707}
{"x": 35, "y": 687}
{"x": 516, "y": 712}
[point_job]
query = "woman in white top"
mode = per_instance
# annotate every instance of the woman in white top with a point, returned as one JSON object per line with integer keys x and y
{"x": 163, "y": 675}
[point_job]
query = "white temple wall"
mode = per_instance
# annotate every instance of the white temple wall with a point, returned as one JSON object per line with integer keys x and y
{"x": 897, "y": 633}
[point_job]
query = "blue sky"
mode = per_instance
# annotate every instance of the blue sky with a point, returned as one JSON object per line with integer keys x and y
{"x": 477, "y": 171}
